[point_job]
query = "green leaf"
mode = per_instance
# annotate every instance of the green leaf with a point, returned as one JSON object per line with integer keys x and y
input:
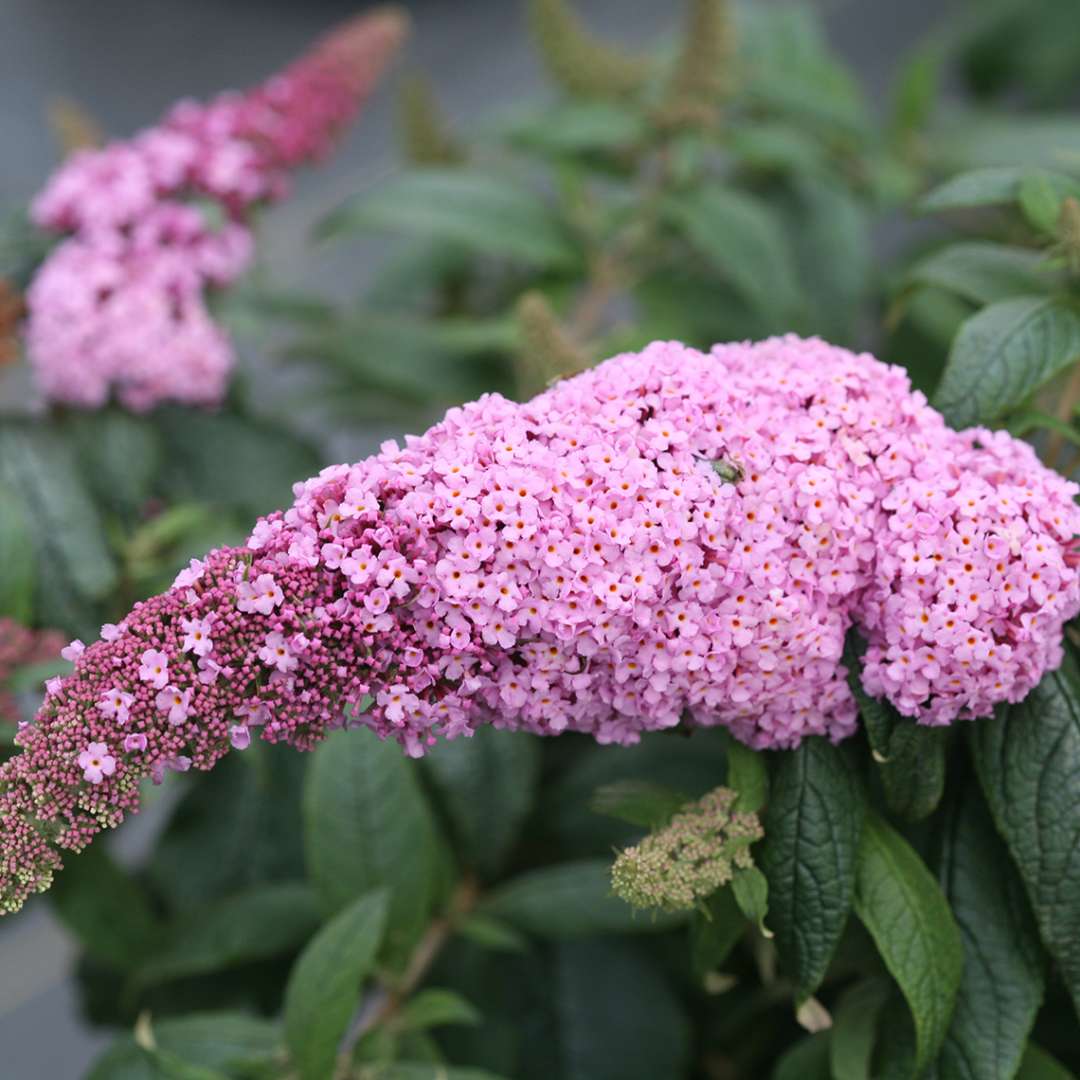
{"x": 570, "y": 900}
{"x": 982, "y": 271}
{"x": 17, "y": 567}
{"x": 87, "y": 897}
{"x": 368, "y": 826}
{"x": 119, "y": 454}
{"x": 403, "y": 1070}
{"x": 73, "y": 562}
{"x": 750, "y": 888}
{"x": 1039, "y": 1065}
{"x": 575, "y": 127}
{"x": 1028, "y": 420}
{"x": 993, "y": 186}
{"x": 487, "y": 784}
{"x": 262, "y": 922}
{"x": 901, "y": 905}
{"x": 1040, "y": 202}
{"x": 492, "y": 934}
{"x": 638, "y": 802}
{"x": 742, "y": 237}
{"x": 1003, "y": 354}
{"x": 324, "y": 985}
{"x": 854, "y": 1030}
{"x": 236, "y": 828}
{"x": 748, "y": 775}
{"x": 910, "y": 758}
{"x": 264, "y": 461}
{"x": 614, "y": 1017}
{"x": 1028, "y": 760}
{"x": 812, "y": 830}
{"x": 435, "y": 1007}
{"x": 1002, "y": 985}
{"x": 222, "y": 1041}
{"x": 715, "y": 931}
{"x": 787, "y": 68}
{"x": 488, "y": 214}
{"x": 806, "y": 1060}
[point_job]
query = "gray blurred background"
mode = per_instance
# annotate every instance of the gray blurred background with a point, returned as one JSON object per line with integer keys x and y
{"x": 125, "y": 62}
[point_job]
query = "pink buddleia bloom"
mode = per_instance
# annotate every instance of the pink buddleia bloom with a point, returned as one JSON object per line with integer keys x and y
{"x": 96, "y": 763}
{"x": 672, "y": 537}
{"x": 120, "y": 307}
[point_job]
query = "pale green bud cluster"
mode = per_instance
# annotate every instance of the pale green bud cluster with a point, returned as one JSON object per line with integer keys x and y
{"x": 695, "y": 854}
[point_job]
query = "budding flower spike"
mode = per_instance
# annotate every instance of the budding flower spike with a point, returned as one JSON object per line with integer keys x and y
{"x": 155, "y": 222}
{"x": 676, "y": 867}
{"x": 578, "y": 563}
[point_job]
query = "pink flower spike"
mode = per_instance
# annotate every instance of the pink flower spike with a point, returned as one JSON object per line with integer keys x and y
{"x": 276, "y": 653}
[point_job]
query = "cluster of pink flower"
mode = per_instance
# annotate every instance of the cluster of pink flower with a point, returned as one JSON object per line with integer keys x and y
{"x": 20, "y": 647}
{"x": 670, "y": 536}
{"x": 121, "y": 303}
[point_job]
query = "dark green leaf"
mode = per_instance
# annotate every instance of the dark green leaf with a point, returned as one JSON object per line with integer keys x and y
{"x": 993, "y": 186}
{"x": 487, "y": 784}
{"x": 901, "y": 905}
{"x": 614, "y": 1017}
{"x": 1039, "y": 1065}
{"x": 486, "y": 213}
{"x": 855, "y": 1023}
{"x": 324, "y": 986}
{"x": 262, "y": 922}
{"x": 87, "y": 897}
{"x": 491, "y": 933}
{"x": 1003, "y": 354}
{"x": 812, "y": 830}
{"x": 638, "y": 802}
{"x": 744, "y": 239}
{"x": 715, "y": 931}
{"x": 403, "y": 1070}
{"x": 236, "y": 828}
{"x": 1002, "y": 985}
{"x": 223, "y": 1041}
{"x": 264, "y": 461}
{"x": 435, "y": 1007}
{"x": 368, "y": 826}
{"x": 910, "y": 758}
{"x": 570, "y": 900}
{"x": 1028, "y": 760}
{"x": 806, "y": 1060}
{"x": 17, "y": 571}
{"x": 982, "y": 271}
